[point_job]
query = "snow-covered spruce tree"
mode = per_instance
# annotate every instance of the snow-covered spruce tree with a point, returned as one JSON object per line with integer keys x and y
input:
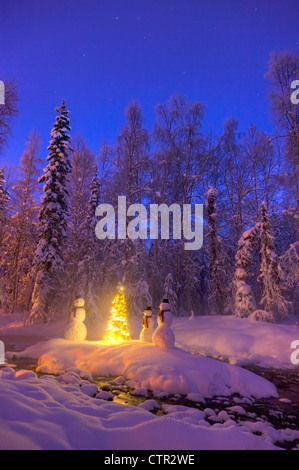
{"x": 270, "y": 272}
{"x": 290, "y": 264}
{"x": 290, "y": 267}
{"x": 170, "y": 294}
{"x": 215, "y": 283}
{"x": 53, "y": 218}
{"x": 244, "y": 298}
{"x": 89, "y": 266}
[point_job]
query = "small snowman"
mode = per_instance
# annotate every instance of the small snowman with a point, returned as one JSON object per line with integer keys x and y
{"x": 76, "y": 330}
{"x": 163, "y": 336}
{"x": 148, "y": 326}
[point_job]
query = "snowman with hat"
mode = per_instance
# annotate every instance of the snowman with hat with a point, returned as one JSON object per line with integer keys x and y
{"x": 148, "y": 325}
{"x": 163, "y": 336}
{"x": 76, "y": 330}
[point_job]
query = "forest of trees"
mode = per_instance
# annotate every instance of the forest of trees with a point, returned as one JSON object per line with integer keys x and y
{"x": 248, "y": 182}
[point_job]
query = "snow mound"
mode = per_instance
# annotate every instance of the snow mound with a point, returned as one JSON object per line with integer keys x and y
{"x": 119, "y": 380}
{"x": 262, "y": 315}
{"x": 149, "y": 405}
{"x": 195, "y": 397}
{"x": 173, "y": 371}
{"x": 103, "y": 395}
{"x": 89, "y": 389}
{"x": 237, "y": 409}
{"x": 24, "y": 375}
{"x": 224, "y": 416}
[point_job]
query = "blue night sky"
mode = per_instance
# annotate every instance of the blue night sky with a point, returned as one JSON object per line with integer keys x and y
{"x": 100, "y": 54}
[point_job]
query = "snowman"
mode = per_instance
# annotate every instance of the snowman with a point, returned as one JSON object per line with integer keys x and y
{"x": 148, "y": 326}
{"x": 76, "y": 330}
{"x": 163, "y": 336}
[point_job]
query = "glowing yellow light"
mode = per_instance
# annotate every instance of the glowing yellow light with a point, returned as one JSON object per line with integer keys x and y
{"x": 118, "y": 329}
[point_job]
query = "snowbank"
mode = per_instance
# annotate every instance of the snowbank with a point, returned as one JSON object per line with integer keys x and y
{"x": 48, "y": 414}
{"x": 237, "y": 340}
{"x": 172, "y": 371}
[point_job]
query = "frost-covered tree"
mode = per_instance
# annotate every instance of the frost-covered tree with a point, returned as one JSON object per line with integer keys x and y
{"x": 245, "y": 302}
{"x": 263, "y": 165}
{"x": 89, "y": 266}
{"x": 4, "y": 199}
{"x": 235, "y": 178}
{"x": 290, "y": 266}
{"x": 215, "y": 283}
{"x": 170, "y": 294}
{"x": 53, "y": 221}
{"x": 8, "y": 111}
{"x": 271, "y": 275}
{"x": 83, "y": 163}
{"x": 283, "y": 69}
{"x": 139, "y": 297}
{"x": 130, "y": 175}
{"x": 180, "y": 167}
{"x": 20, "y": 241}
{"x": 109, "y": 253}
{"x": 132, "y": 156}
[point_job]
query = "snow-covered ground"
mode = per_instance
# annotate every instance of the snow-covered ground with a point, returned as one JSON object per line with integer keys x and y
{"x": 58, "y": 413}
{"x": 238, "y": 340}
{"x": 61, "y": 412}
{"x": 228, "y": 338}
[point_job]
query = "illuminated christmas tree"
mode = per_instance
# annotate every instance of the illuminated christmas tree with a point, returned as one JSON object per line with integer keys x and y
{"x": 118, "y": 328}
